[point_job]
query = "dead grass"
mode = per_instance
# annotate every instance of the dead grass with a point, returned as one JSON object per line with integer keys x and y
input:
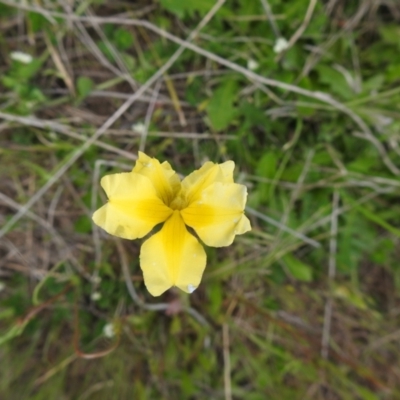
{"x": 246, "y": 332}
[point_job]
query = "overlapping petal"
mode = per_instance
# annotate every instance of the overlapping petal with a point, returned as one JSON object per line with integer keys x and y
{"x": 217, "y": 215}
{"x": 172, "y": 257}
{"x": 195, "y": 183}
{"x": 162, "y": 176}
{"x": 133, "y": 207}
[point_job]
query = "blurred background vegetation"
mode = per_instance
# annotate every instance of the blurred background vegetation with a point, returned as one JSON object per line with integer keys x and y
{"x": 304, "y": 96}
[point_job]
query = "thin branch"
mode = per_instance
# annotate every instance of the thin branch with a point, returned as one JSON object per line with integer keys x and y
{"x": 64, "y": 129}
{"x": 110, "y": 121}
{"x": 185, "y": 44}
{"x": 271, "y": 18}
{"x": 63, "y": 247}
{"x": 135, "y": 297}
{"x": 93, "y": 205}
{"x": 331, "y": 275}
{"x": 227, "y": 362}
{"x": 284, "y": 228}
{"x": 303, "y": 26}
{"x": 299, "y": 184}
{"x": 149, "y": 114}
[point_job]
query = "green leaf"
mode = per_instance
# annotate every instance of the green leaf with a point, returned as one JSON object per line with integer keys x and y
{"x": 266, "y": 168}
{"x": 84, "y": 86}
{"x": 83, "y": 224}
{"x": 26, "y": 71}
{"x": 220, "y": 109}
{"x": 352, "y": 295}
{"x": 123, "y": 39}
{"x": 267, "y": 165}
{"x": 37, "y": 21}
{"x": 6, "y": 313}
{"x": 374, "y": 217}
{"x": 182, "y": 8}
{"x": 6, "y": 11}
{"x": 177, "y": 7}
{"x": 215, "y": 296}
{"x": 390, "y": 34}
{"x": 373, "y": 84}
{"x": 297, "y": 268}
{"x": 335, "y": 81}
{"x": 106, "y": 51}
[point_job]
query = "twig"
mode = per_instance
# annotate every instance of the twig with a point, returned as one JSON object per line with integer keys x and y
{"x": 59, "y": 65}
{"x": 342, "y": 210}
{"x": 303, "y": 26}
{"x": 50, "y": 220}
{"x": 349, "y": 25}
{"x": 95, "y": 229}
{"x": 135, "y": 297}
{"x": 177, "y": 135}
{"x": 366, "y": 135}
{"x": 76, "y": 340}
{"x": 110, "y": 121}
{"x": 296, "y": 192}
{"x": 227, "y": 362}
{"x": 120, "y": 61}
{"x": 149, "y": 115}
{"x": 271, "y": 18}
{"x": 59, "y": 367}
{"x": 331, "y": 276}
{"x": 325, "y": 98}
{"x": 62, "y": 245}
{"x": 64, "y": 129}
{"x": 283, "y": 227}
{"x": 131, "y": 289}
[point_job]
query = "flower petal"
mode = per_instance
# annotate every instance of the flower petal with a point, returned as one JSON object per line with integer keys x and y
{"x": 219, "y": 214}
{"x": 133, "y": 207}
{"x": 162, "y": 176}
{"x": 172, "y": 257}
{"x": 195, "y": 183}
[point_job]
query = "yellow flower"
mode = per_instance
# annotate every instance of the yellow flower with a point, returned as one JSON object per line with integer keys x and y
{"x": 208, "y": 201}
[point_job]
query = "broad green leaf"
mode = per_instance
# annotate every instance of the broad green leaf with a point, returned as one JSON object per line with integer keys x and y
{"x": 182, "y": 8}
{"x": 374, "y": 217}
{"x": 297, "y": 268}
{"x": 335, "y": 81}
{"x": 84, "y": 86}
{"x": 266, "y": 167}
{"x": 353, "y": 296}
{"x": 83, "y": 224}
{"x": 220, "y": 109}
{"x": 37, "y": 21}
{"x": 123, "y": 39}
{"x": 390, "y": 33}
{"x": 27, "y": 71}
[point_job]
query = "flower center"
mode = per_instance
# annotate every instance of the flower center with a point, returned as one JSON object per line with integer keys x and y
{"x": 178, "y": 203}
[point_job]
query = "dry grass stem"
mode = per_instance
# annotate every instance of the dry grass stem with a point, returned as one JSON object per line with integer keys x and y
{"x": 331, "y": 276}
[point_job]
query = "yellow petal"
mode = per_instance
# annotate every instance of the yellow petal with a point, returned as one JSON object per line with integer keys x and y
{"x": 218, "y": 215}
{"x": 172, "y": 257}
{"x": 133, "y": 207}
{"x": 195, "y": 183}
{"x": 162, "y": 176}
{"x": 227, "y": 170}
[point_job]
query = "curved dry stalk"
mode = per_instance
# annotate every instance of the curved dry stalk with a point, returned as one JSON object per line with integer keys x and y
{"x": 64, "y": 129}
{"x": 63, "y": 247}
{"x": 186, "y": 44}
{"x": 282, "y": 227}
{"x": 271, "y": 19}
{"x": 331, "y": 275}
{"x": 111, "y": 120}
{"x": 135, "y": 297}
